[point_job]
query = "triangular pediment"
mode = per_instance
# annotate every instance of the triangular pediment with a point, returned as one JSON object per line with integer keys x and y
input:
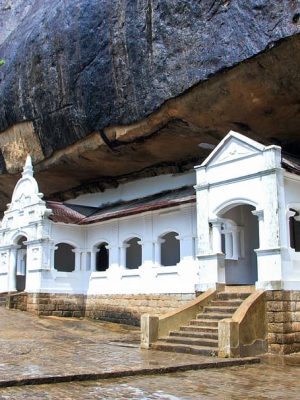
{"x": 234, "y": 146}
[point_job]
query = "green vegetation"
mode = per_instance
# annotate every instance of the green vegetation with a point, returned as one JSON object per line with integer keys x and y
{"x": 1, "y": 62}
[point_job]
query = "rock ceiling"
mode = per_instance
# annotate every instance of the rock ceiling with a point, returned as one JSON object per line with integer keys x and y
{"x": 258, "y": 96}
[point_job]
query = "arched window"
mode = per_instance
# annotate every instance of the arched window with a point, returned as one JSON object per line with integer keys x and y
{"x": 294, "y": 227}
{"x": 170, "y": 249}
{"x": 133, "y": 253}
{"x": 102, "y": 257}
{"x": 64, "y": 257}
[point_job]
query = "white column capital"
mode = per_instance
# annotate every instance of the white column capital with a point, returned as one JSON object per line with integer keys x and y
{"x": 291, "y": 213}
{"x": 216, "y": 222}
{"x": 76, "y": 251}
{"x": 259, "y": 214}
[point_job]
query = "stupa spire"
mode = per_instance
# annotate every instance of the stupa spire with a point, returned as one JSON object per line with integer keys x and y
{"x": 28, "y": 170}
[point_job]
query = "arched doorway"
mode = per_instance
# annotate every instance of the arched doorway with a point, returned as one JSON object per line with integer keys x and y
{"x": 240, "y": 237}
{"x": 102, "y": 257}
{"x": 21, "y": 258}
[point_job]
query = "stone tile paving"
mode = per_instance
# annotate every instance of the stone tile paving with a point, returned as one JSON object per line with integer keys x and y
{"x": 32, "y": 347}
{"x": 257, "y": 382}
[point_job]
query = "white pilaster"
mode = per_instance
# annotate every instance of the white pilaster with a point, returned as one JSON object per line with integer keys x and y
{"x": 216, "y": 236}
{"x": 12, "y": 269}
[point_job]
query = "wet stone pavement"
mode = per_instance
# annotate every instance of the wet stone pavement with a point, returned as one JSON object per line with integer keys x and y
{"x": 244, "y": 382}
{"x": 32, "y": 347}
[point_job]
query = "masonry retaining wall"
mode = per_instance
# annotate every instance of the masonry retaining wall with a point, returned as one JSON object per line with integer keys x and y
{"x": 282, "y": 311}
{"x": 126, "y": 309}
{"x": 283, "y": 317}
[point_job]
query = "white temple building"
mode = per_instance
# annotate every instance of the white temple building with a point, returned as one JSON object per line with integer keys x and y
{"x": 234, "y": 220}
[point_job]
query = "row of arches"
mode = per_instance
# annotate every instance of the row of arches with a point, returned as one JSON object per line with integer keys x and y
{"x": 64, "y": 256}
{"x": 169, "y": 252}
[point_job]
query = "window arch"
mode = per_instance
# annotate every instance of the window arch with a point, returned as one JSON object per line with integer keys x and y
{"x": 133, "y": 253}
{"x": 102, "y": 257}
{"x": 294, "y": 229}
{"x": 169, "y": 249}
{"x": 64, "y": 257}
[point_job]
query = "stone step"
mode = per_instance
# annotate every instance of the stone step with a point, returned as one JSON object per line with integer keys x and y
{"x": 201, "y": 335}
{"x": 191, "y": 341}
{"x": 205, "y": 322}
{"x": 219, "y": 309}
{"x": 216, "y": 316}
{"x": 195, "y": 334}
{"x": 182, "y": 348}
{"x": 239, "y": 288}
{"x": 231, "y": 296}
{"x": 199, "y": 329}
{"x": 226, "y": 303}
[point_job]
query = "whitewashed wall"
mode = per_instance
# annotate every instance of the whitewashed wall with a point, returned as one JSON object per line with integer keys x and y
{"x": 137, "y": 189}
{"x": 44, "y": 236}
{"x": 150, "y": 277}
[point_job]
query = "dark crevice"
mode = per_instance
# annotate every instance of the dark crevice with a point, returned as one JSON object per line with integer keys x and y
{"x": 296, "y": 18}
{"x": 110, "y": 144}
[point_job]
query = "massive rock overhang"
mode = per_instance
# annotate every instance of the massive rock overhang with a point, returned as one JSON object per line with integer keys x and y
{"x": 258, "y": 97}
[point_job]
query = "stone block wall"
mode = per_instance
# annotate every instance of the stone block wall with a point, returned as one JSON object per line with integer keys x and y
{"x": 283, "y": 318}
{"x": 126, "y": 309}
{"x": 60, "y": 305}
{"x": 3, "y": 299}
{"x": 282, "y": 311}
{"x": 18, "y": 301}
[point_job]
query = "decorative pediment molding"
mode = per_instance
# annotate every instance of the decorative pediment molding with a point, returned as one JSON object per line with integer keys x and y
{"x": 234, "y": 146}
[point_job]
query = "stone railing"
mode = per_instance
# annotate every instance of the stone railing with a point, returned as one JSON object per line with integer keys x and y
{"x": 154, "y": 327}
{"x": 245, "y": 333}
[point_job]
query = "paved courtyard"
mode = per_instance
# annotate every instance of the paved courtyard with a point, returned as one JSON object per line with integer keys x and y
{"x": 57, "y": 348}
{"x": 243, "y": 382}
{"x": 32, "y": 347}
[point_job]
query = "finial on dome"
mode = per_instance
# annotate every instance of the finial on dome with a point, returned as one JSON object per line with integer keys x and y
{"x": 28, "y": 170}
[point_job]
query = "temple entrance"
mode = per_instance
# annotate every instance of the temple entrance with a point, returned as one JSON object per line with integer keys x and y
{"x": 240, "y": 237}
{"x": 21, "y": 257}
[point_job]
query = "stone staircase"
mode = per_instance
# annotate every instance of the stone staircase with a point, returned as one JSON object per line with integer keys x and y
{"x": 201, "y": 335}
{"x": 3, "y": 299}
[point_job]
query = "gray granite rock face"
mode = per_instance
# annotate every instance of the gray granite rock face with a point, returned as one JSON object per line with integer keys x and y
{"x": 77, "y": 66}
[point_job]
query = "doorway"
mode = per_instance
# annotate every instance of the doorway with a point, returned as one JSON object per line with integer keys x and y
{"x": 240, "y": 237}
